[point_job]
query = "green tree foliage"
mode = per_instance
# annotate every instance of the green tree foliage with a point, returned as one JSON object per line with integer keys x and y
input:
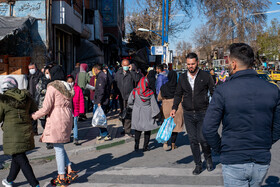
{"x": 269, "y": 41}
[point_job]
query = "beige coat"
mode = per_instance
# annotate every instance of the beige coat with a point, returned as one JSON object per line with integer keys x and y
{"x": 167, "y": 107}
{"x": 58, "y": 108}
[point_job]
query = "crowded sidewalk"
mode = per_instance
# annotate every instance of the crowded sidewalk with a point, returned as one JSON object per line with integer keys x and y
{"x": 87, "y": 138}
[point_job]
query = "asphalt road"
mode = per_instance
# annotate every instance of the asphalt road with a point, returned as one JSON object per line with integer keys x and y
{"x": 121, "y": 166}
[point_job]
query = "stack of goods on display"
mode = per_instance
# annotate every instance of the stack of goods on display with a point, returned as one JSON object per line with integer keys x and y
{"x": 14, "y": 65}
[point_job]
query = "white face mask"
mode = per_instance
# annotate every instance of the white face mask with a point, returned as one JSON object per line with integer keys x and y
{"x": 47, "y": 76}
{"x": 32, "y": 71}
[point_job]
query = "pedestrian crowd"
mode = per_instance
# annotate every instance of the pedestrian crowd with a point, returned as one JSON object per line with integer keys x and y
{"x": 247, "y": 107}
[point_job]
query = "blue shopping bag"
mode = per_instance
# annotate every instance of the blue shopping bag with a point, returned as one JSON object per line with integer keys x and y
{"x": 165, "y": 131}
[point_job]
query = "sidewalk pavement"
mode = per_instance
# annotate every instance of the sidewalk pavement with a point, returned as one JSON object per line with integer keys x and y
{"x": 87, "y": 137}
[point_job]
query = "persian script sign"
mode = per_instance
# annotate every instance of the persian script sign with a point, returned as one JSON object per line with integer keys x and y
{"x": 30, "y": 7}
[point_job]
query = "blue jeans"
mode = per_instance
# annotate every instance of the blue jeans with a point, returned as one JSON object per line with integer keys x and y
{"x": 62, "y": 159}
{"x": 75, "y": 129}
{"x": 102, "y": 131}
{"x": 244, "y": 175}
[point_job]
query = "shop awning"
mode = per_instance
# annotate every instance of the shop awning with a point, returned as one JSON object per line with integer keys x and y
{"x": 14, "y": 25}
{"x": 89, "y": 53}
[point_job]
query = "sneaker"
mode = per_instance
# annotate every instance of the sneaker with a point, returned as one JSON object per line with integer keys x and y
{"x": 72, "y": 176}
{"x": 107, "y": 138}
{"x": 99, "y": 137}
{"x": 76, "y": 142}
{"x": 6, "y": 183}
{"x": 59, "y": 182}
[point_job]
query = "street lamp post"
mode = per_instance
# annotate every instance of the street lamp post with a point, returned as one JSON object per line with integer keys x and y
{"x": 164, "y": 31}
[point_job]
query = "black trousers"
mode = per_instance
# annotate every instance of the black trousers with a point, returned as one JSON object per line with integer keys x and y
{"x": 35, "y": 126}
{"x": 43, "y": 123}
{"x": 174, "y": 137}
{"x": 20, "y": 161}
{"x": 126, "y": 122}
{"x": 194, "y": 122}
{"x": 147, "y": 135}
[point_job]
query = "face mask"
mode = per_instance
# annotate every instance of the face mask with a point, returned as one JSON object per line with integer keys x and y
{"x": 47, "y": 76}
{"x": 125, "y": 68}
{"x": 32, "y": 71}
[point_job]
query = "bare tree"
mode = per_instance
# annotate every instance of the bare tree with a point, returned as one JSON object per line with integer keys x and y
{"x": 149, "y": 15}
{"x": 183, "y": 48}
{"x": 235, "y": 18}
{"x": 204, "y": 39}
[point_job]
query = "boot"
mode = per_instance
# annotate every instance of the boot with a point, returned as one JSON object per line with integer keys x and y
{"x": 165, "y": 146}
{"x": 173, "y": 146}
{"x": 209, "y": 164}
{"x": 146, "y": 148}
{"x": 198, "y": 169}
{"x": 136, "y": 147}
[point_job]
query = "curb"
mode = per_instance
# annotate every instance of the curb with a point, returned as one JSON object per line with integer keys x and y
{"x": 75, "y": 152}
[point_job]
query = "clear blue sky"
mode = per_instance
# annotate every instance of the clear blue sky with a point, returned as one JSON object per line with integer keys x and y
{"x": 198, "y": 20}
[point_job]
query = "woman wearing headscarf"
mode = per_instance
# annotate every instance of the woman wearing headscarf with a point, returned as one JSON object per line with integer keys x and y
{"x": 57, "y": 106}
{"x": 144, "y": 111}
{"x": 41, "y": 89}
{"x": 166, "y": 95}
{"x": 16, "y": 106}
{"x": 82, "y": 79}
{"x": 152, "y": 80}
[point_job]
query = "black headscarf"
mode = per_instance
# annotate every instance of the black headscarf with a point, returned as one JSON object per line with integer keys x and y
{"x": 152, "y": 80}
{"x": 57, "y": 73}
{"x": 169, "y": 88}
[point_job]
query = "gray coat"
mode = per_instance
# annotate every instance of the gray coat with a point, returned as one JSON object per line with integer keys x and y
{"x": 143, "y": 113}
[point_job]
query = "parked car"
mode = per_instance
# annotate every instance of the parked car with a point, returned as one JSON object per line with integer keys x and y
{"x": 275, "y": 75}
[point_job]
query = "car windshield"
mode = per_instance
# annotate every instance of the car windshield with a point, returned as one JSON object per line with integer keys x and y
{"x": 264, "y": 77}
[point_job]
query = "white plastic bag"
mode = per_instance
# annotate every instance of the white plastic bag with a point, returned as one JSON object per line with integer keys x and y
{"x": 99, "y": 118}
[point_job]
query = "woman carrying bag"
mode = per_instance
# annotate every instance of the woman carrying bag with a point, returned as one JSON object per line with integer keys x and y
{"x": 166, "y": 95}
{"x": 144, "y": 112}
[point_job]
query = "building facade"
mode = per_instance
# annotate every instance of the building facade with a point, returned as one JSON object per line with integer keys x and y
{"x": 70, "y": 31}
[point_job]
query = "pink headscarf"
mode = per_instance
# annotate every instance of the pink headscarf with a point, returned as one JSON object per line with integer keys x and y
{"x": 83, "y": 68}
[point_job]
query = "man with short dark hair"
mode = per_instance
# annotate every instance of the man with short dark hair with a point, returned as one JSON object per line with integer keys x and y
{"x": 126, "y": 78}
{"x": 161, "y": 78}
{"x": 249, "y": 108}
{"x": 193, "y": 86}
{"x": 101, "y": 96}
{"x": 165, "y": 69}
{"x": 33, "y": 78}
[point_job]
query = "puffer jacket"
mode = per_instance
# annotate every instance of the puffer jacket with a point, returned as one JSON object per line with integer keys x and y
{"x": 58, "y": 106}
{"x": 78, "y": 101}
{"x": 16, "y": 106}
